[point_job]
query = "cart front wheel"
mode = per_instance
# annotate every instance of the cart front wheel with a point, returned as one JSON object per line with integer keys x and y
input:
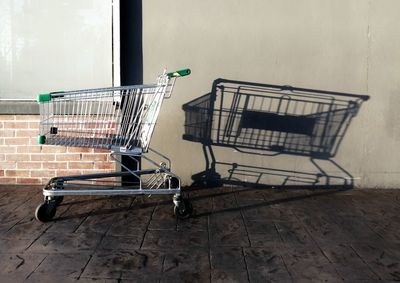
{"x": 45, "y": 211}
{"x": 58, "y": 199}
{"x": 184, "y": 210}
{"x": 171, "y": 182}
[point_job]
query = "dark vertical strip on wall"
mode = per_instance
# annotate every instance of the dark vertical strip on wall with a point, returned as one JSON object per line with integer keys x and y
{"x": 131, "y": 53}
{"x": 131, "y": 42}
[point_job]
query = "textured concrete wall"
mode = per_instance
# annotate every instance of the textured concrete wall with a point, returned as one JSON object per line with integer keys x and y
{"x": 343, "y": 46}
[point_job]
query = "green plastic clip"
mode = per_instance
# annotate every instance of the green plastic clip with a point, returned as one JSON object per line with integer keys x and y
{"x": 43, "y": 97}
{"x": 179, "y": 73}
{"x": 41, "y": 139}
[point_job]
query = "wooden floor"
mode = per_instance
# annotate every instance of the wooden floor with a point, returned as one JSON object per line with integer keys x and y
{"x": 236, "y": 235}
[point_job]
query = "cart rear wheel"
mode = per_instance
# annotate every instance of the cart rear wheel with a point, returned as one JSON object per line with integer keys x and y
{"x": 184, "y": 210}
{"x": 174, "y": 183}
{"x": 45, "y": 211}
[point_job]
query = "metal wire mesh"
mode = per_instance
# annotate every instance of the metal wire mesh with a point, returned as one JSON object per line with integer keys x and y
{"x": 104, "y": 118}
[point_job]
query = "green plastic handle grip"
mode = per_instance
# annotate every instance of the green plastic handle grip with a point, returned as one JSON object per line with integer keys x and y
{"x": 41, "y": 139}
{"x": 43, "y": 97}
{"x": 179, "y": 73}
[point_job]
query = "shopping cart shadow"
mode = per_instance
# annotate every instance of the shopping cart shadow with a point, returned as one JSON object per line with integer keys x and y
{"x": 267, "y": 120}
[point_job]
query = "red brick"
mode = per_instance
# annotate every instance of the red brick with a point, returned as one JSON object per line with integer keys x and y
{"x": 104, "y": 165}
{"x": 7, "y": 117}
{"x": 8, "y": 149}
{"x": 53, "y": 149}
{"x": 17, "y": 173}
{"x": 26, "y": 133}
{"x": 7, "y": 133}
{"x": 79, "y": 149}
{"x": 92, "y": 171}
{"x": 16, "y": 141}
{"x": 29, "y": 149}
{"x": 8, "y": 165}
{"x": 1, "y": 173}
{"x": 2, "y": 157}
{"x": 68, "y": 157}
{"x": 101, "y": 150}
{"x": 68, "y": 172}
{"x": 26, "y": 117}
{"x": 55, "y": 165}
{"x": 29, "y": 165}
{"x": 80, "y": 165}
{"x": 94, "y": 157}
{"x": 33, "y": 141}
{"x": 42, "y": 157}
{"x": 43, "y": 173}
{"x": 5, "y": 180}
{"x": 34, "y": 125}
{"x": 17, "y": 157}
{"x": 16, "y": 125}
{"x": 91, "y": 125}
{"x": 34, "y": 181}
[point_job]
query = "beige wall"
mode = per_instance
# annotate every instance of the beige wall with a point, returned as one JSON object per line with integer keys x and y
{"x": 345, "y": 46}
{"x": 50, "y": 45}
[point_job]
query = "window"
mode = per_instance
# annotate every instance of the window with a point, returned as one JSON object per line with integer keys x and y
{"x": 48, "y": 45}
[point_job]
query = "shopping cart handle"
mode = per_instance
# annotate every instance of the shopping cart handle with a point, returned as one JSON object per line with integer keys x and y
{"x": 45, "y": 97}
{"x": 179, "y": 73}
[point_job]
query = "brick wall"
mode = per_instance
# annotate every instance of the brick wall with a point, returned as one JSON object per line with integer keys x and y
{"x": 23, "y": 161}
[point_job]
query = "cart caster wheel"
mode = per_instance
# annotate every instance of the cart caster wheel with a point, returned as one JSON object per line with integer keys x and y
{"x": 184, "y": 210}
{"x": 174, "y": 183}
{"x": 58, "y": 199}
{"x": 45, "y": 211}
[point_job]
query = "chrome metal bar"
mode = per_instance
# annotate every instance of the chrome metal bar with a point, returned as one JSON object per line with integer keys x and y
{"x": 162, "y": 156}
{"x": 109, "y": 192}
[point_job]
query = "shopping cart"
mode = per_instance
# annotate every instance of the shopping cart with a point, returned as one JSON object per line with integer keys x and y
{"x": 118, "y": 119}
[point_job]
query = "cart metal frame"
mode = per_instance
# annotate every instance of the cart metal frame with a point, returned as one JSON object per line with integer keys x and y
{"x": 118, "y": 119}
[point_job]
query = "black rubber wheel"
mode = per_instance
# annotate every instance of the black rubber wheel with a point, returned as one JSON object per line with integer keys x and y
{"x": 184, "y": 210}
{"x": 58, "y": 199}
{"x": 45, "y": 211}
{"x": 174, "y": 183}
